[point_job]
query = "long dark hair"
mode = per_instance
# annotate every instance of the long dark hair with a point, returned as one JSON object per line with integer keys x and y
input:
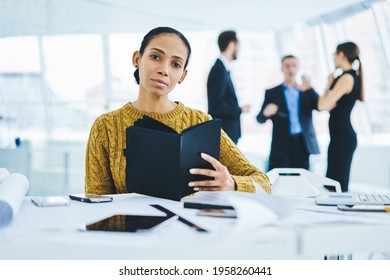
{"x": 351, "y": 52}
{"x": 156, "y": 32}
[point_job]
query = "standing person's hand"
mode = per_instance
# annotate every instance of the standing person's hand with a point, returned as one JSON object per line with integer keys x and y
{"x": 221, "y": 178}
{"x": 245, "y": 108}
{"x": 306, "y": 84}
{"x": 270, "y": 110}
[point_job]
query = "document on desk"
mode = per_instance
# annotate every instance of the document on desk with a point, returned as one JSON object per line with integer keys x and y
{"x": 253, "y": 209}
{"x": 13, "y": 188}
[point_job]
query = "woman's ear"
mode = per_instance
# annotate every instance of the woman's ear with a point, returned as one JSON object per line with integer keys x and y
{"x": 136, "y": 58}
{"x": 183, "y": 76}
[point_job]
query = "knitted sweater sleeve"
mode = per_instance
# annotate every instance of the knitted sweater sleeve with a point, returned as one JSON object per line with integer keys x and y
{"x": 242, "y": 171}
{"x": 98, "y": 177}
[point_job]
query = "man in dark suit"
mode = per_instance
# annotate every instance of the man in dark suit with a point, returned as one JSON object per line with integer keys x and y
{"x": 221, "y": 96}
{"x": 290, "y": 107}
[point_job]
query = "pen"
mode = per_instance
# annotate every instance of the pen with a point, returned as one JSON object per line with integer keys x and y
{"x": 181, "y": 219}
{"x": 365, "y": 208}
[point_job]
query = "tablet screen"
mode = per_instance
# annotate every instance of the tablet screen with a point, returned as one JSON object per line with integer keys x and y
{"x": 130, "y": 223}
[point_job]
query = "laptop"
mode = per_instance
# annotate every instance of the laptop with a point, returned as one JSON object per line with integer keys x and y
{"x": 330, "y": 198}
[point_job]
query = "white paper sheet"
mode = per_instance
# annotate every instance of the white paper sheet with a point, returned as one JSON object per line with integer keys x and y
{"x": 253, "y": 209}
{"x": 13, "y": 189}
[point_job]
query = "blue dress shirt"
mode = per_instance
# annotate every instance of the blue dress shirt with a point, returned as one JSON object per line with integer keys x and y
{"x": 292, "y": 98}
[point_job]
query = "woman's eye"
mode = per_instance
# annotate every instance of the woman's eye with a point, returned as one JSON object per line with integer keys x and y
{"x": 177, "y": 65}
{"x": 154, "y": 56}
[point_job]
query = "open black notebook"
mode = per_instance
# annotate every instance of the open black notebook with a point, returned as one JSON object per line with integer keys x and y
{"x": 158, "y": 159}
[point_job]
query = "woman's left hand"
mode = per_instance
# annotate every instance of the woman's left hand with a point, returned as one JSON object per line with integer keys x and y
{"x": 222, "y": 181}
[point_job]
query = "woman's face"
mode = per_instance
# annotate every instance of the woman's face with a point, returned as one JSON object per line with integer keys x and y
{"x": 161, "y": 66}
{"x": 337, "y": 58}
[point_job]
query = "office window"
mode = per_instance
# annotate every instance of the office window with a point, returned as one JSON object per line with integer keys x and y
{"x": 75, "y": 78}
{"x": 19, "y": 55}
{"x": 386, "y": 9}
{"x": 362, "y": 29}
{"x": 21, "y": 97}
{"x": 123, "y": 85}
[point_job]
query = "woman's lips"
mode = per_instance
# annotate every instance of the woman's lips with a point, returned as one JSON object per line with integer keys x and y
{"x": 160, "y": 82}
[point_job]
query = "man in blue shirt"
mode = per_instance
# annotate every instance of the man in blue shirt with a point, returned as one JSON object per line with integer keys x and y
{"x": 289, "y": 106}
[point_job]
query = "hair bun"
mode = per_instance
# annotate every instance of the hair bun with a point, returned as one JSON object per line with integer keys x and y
{"x": 356, "y": 64}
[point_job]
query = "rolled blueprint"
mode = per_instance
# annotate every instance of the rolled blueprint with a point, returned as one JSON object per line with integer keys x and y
{"x": 3, "y": 173}
{"x": 13, "y": 189}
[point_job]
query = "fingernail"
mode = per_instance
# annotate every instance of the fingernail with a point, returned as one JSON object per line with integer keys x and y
{"x": 192, "y": 171}
{"x": 191, "y": 184}
{"x": 196, "y": 189}
{"x": 202, "y": 154}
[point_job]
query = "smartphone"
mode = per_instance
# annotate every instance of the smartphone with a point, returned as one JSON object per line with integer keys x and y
{"x": 130, "y": 223}
{"x": 362, "y": 208}
{"x": 91, "y": 198}
{"x": 330, "y": 188}
{"x": 50, "y": 201}
{"x": 223, "y": 213}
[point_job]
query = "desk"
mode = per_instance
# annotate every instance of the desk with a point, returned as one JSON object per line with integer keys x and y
{"x": 52, "y": 233}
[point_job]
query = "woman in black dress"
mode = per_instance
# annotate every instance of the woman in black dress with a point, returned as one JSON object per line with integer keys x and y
{"x": 339, "y": 99}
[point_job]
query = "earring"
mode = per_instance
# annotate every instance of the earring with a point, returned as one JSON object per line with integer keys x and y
{"x": 136, "y": 65}
{"x": 179, "y": 82}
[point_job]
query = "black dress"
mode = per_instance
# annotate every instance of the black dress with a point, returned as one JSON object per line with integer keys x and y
{"x": 343, "y": 140}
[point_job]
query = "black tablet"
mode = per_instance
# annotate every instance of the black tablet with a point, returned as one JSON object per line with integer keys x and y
{"x": 130, "y": 223}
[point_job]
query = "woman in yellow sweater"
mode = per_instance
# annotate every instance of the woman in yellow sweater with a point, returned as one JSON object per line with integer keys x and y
{"x": 160, "y": 65}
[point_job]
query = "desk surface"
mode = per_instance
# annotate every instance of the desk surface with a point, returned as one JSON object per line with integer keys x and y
{"x": 309, "y": 233}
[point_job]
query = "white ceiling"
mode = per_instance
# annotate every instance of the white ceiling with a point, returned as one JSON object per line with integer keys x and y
{"x": 40, "y": 17}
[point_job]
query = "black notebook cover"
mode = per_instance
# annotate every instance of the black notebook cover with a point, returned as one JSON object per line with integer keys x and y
{"x": 158, "y": 159}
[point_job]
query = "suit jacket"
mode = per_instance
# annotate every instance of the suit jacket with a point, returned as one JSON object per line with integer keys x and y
{"x": 222, "y": 100}
{"x": 281, "y": 125}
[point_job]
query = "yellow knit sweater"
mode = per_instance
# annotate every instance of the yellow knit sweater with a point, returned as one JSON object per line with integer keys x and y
{"x": 106, "y": 163}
